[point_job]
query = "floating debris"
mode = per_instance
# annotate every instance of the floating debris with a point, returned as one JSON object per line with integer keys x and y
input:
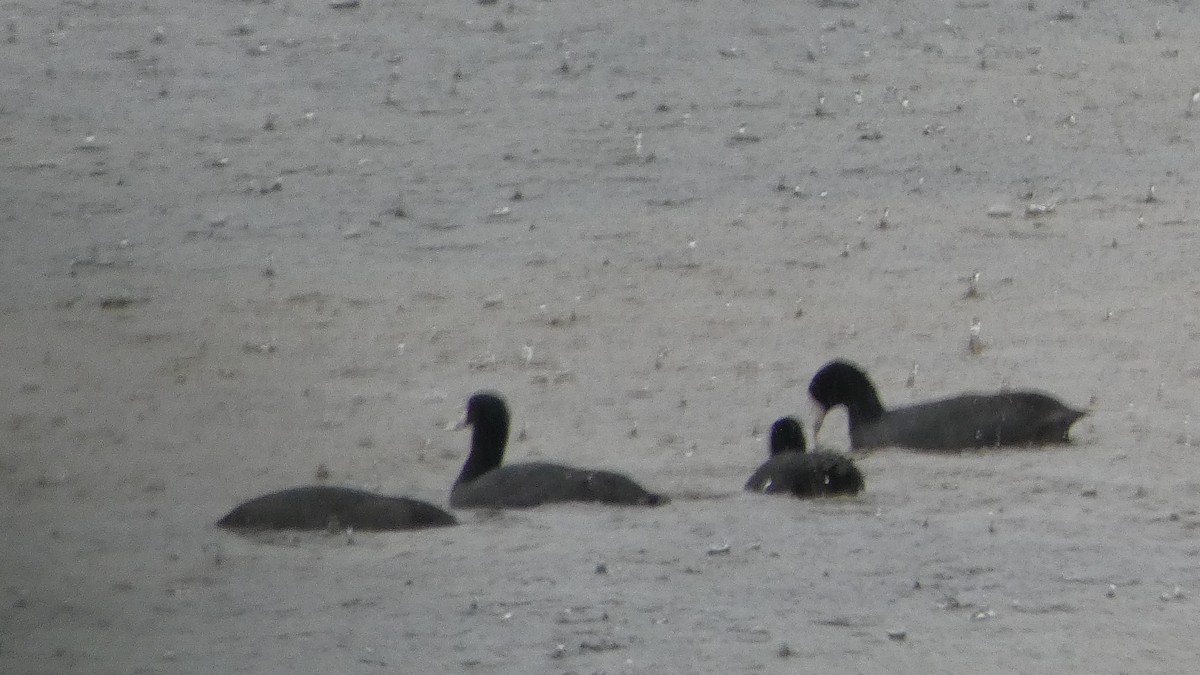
{"x": 485, "y": 362}
{"x": 820, "y": 110}
{"x": 603, "y": 645}
{"x": 259, "y": 348}
{"x": 121, "y": 301}
{"x": 742, "y": 136}
{"x": 1033, "y": 210}
{"x": 973, "y": 287}
{"x": 950, "y": 602}
{"x": 1174, "y": 594}
{"x": 975, "y": 341}
{"x": 984, "y": 615}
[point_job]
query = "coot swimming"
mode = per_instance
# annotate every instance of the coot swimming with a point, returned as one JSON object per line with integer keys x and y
{"x": 972, "y": 420}
{"x": 316, "y": 507}
{"x": 791, "y": 470}
{"x": 484, "y": 483}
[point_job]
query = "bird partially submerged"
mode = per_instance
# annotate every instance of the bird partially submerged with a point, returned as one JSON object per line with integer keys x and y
{"x": 316, "y": 507}
{"x": 792, "y": 470}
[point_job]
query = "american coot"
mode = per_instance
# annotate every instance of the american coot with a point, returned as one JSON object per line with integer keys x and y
{"x": 791, "y": 470}
{"x": 483, "y": 483}
{"x": 315, "y": 507}
{"x": 967, "y": 421}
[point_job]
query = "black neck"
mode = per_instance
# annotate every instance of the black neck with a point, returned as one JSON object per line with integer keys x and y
{"x": 865, "y": 406}
{"x": 489, "y": 435}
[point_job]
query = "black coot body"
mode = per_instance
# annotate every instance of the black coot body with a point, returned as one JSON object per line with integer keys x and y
{"x": 484, "y": 483}
{"x": 791, "y": 470}
{"x": 974, "y": 420}
{"x": 316, "y": 507}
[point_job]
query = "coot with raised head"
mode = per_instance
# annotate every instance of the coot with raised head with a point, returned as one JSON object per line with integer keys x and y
{"x": 484, "y": 483}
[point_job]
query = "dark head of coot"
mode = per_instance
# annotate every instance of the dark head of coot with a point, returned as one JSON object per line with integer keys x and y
{"x": 787, "y": 435}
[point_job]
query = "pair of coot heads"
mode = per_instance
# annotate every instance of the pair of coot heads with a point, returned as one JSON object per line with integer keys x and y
{"x": 483, "y": 483}
{"x": 973, "y": 420}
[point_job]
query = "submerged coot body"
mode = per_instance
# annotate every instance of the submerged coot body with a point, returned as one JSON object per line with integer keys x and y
{"x": 316, "y": 507}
